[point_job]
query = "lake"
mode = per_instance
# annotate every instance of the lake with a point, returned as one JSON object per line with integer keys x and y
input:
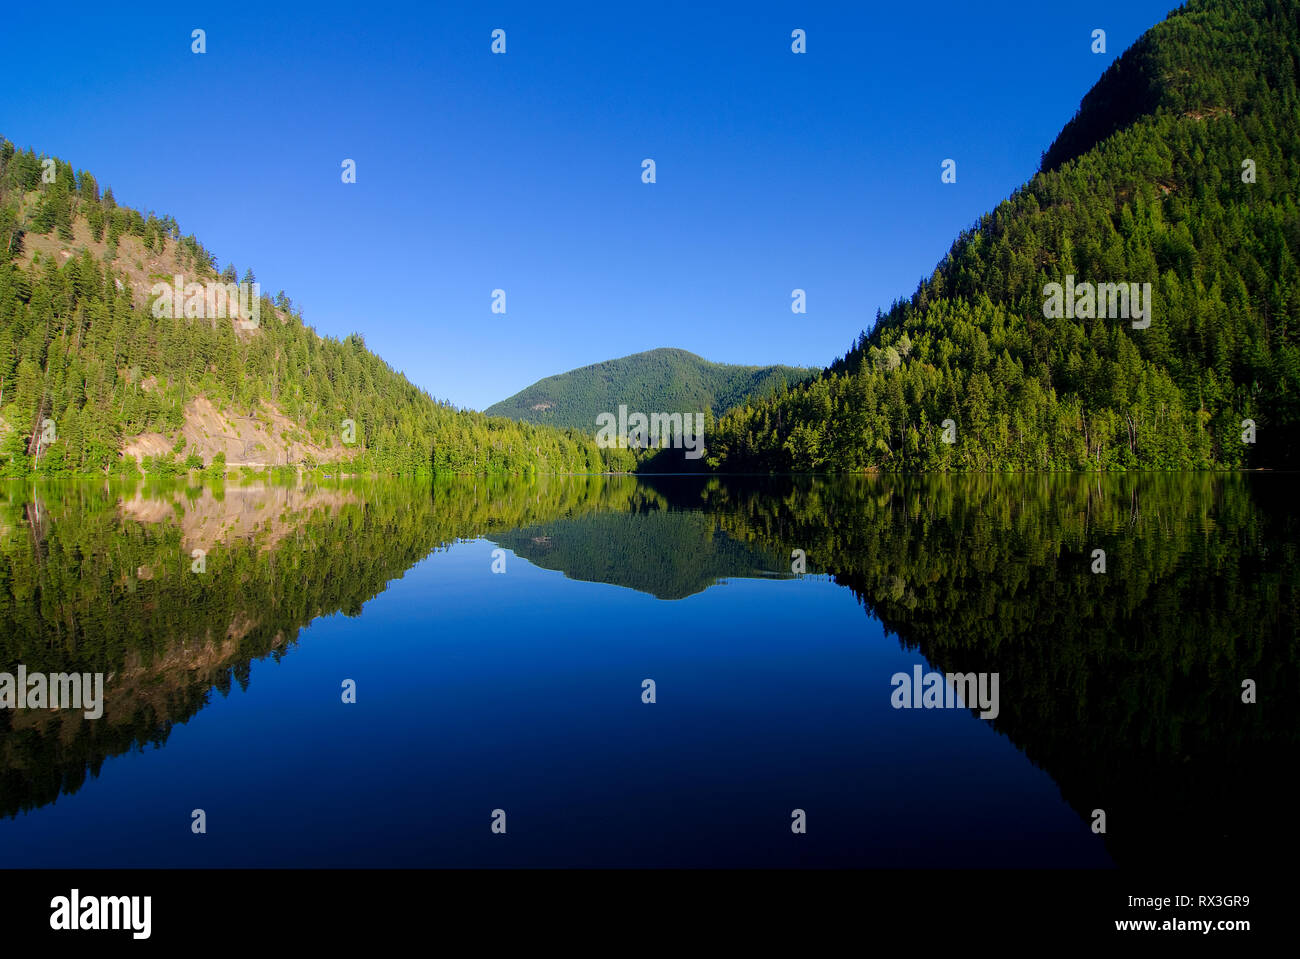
{"x": 1129, "y": 644}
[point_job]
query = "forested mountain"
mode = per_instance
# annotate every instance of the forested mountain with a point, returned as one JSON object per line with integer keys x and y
{"x": 92, "y": 379}
{"x": 663, "y": 380}
{"x": 1181, "y": 169}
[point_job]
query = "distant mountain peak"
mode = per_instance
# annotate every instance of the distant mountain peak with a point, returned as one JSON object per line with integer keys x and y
{"x": 666, "y": 379}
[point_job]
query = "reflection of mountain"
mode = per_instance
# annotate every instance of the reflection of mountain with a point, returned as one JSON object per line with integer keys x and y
{"x": 668, "y": 553}
{"x": 97, "y": 577}
{"x": 1125, "y": 686}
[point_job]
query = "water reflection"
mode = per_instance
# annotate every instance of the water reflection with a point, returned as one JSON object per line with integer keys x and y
{"x": 1125, "y": 686}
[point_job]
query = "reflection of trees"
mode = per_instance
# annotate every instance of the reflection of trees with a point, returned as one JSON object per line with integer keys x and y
{"x": 96, "y": 577}
{"x": 1125, "y": 686}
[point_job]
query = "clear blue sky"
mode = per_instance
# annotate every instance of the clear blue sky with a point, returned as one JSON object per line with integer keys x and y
{"x": 522, "y": 171}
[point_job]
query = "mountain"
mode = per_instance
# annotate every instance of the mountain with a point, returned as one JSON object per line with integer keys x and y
{"x": 663, "y": 380}
{"x": 1178, "y": 178}
{"x": 105, "y": 367}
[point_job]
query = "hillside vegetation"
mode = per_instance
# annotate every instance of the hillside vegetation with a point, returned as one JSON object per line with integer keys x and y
{"x": 1149, "y": 183}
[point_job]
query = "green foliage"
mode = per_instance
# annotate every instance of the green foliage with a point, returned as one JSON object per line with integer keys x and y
{"x": 1143, "y": 185}
{"x": 14, "y": 460}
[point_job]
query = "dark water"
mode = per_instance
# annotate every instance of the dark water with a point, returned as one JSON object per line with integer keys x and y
{"x": 522, "y": 690}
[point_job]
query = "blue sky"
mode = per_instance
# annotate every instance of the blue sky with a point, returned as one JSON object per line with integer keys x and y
{"x": 522, "y": 171}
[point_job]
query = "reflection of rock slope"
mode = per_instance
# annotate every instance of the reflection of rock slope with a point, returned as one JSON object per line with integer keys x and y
{"x": 667, "y": 553}
{"x": 106, "y": 587}
{"x": 241, "y": 512}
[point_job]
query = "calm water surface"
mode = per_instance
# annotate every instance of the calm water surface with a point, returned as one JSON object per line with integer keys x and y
{"x": 522, "y": 690}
